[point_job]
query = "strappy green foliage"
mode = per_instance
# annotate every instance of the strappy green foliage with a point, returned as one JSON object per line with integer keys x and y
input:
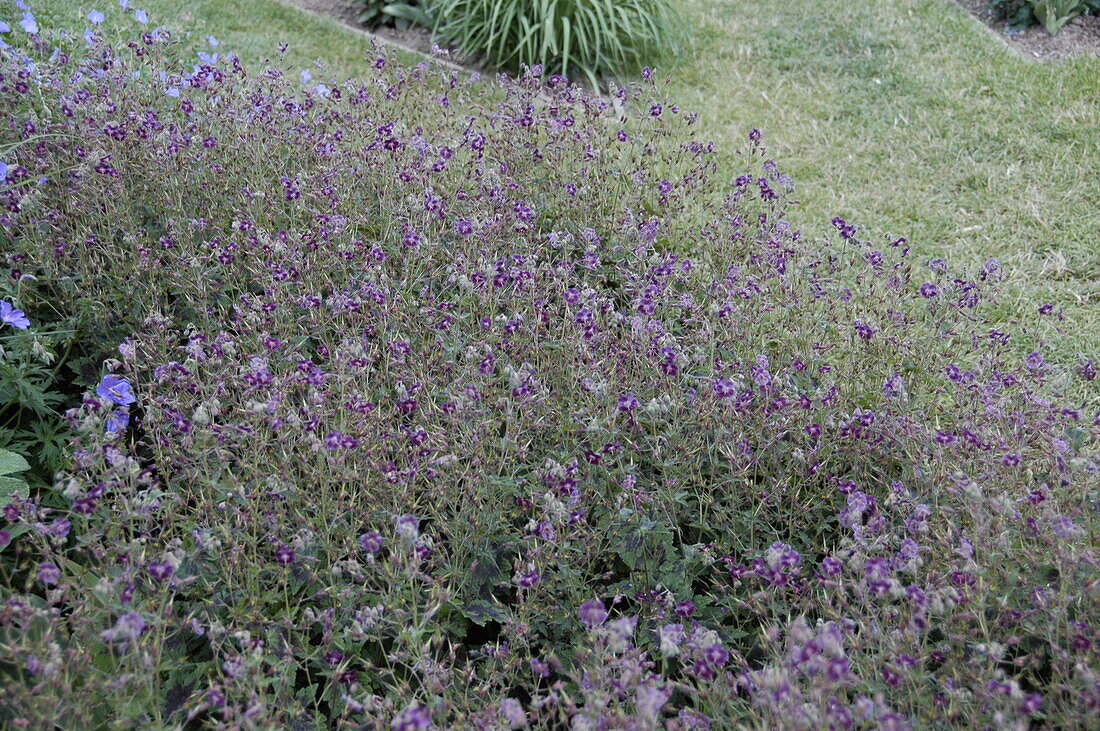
{"x": 589, "y": 38}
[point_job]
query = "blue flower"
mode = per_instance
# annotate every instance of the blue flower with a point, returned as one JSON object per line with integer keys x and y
{"x": 11, "y": 316}
{"x": 29, "y": 24}
{"x": 117, "y": 422}
{"x": 4, "y": 27}
{"x": 141, "y": 17}
{"x": 116, "y": 390}
{"x": 96, "y": 17}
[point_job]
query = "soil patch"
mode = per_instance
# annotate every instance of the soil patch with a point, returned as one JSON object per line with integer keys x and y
{"x": 413, "y": 39}
{"x": 1080, "y": 36}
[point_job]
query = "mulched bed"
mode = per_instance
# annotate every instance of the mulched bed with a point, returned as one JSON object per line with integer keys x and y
{"x": 415, "y": 39}
{"x": 1079, "y": 36}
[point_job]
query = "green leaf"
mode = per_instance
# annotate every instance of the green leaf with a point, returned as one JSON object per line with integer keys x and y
{"x": 12, "y": 487}
{"x": 11, "y": 462}
{"x": 481, "y": 612}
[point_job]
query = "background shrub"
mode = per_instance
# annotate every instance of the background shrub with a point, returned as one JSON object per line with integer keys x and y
{"x": 402, "y": 15}
{"x": 593, "y": 38}
{"x": 486, "y": 405}
{"x": 1051, "y": 14}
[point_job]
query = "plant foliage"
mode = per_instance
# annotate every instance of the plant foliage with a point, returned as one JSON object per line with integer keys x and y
{"x": 589, "y": 38}
{"x": 400, "y": 14}
{"x": 1051, "y": 14}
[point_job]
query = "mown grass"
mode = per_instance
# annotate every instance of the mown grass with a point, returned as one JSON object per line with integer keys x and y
{"x": 909, "y": 116}
{"x": 906, "y": 116}
{"x": 254, "y": 29}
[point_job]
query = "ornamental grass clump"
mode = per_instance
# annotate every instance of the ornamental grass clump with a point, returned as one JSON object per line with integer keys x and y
{"x": 439, "y": 402}
{"x": 591, "y": 38}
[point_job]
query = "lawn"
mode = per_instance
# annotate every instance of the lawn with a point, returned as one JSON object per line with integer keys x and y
{"x": 910, "y": 117}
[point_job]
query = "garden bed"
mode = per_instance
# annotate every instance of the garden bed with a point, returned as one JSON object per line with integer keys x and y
{"x": 1079, "y": 36}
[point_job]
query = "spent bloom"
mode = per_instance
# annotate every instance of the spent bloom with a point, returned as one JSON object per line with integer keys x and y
{"x": 408, "y": 527}
{"x": 592, "y": 613}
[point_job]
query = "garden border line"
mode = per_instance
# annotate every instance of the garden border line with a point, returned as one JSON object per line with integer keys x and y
{"x": 990, "y": 32}
{"x": 377, "y": 38}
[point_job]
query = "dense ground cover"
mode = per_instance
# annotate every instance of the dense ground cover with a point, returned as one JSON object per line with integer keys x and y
{"x": 433, "y": 401}
{"x": 908, "y": 117}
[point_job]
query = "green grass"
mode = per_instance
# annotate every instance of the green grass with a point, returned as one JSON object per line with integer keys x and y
{"x": 254, "y": 29}
{"x": 906, "y": 116}
{"x": 910, "y": 117}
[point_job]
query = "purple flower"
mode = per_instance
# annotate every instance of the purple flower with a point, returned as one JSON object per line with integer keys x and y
{"x": 716, "y": 655}
{"x": 128, "y": 627}
{"x": 628, "y": 402}
{"x": 1063, "y": 527}
{"x": 117, "y": 422}
{"x": 11, "y": 316}
{"x": 512, "y": 711}
{"x": 592, "y": 613}
{"x": 28, "y": 23}
{"x": 284, "y": 555}
{"x": 141, "y": 16}
{"x": 929, "y": 290}
{"x": 1034, "y": 361}
{"x": 96, "y": 17}
{"x": 1088, "y": 370}
{"x": 5, "y": 538}
{"x": 540, "y": 668}
{"x": 685, "y": 608}
{"x": 415, "y": 716}
{"x": 724, "y": 388}
{"x": 1031, "y": 703}
{"x": 48, "y": 573}
{"x": 371, "y": 542}
{"x": 894, "y": 386}
{"x": 161, "y": 570}
{"x": 116, "y": 390}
